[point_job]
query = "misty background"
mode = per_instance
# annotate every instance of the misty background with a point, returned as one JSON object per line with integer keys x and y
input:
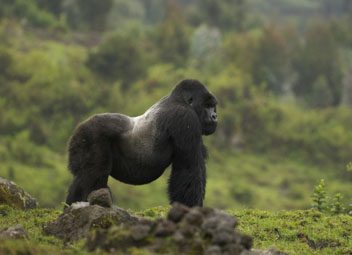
{"x": 281, "y": 70}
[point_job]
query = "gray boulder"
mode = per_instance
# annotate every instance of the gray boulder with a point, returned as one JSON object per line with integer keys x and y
{"x": 14, "y": 232}
{"x": 13, "y": 195}
{"x": 100, "y": 197}
{"x": 78, "y": 219}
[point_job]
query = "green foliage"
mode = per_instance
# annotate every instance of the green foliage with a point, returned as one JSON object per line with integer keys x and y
{"x": 337, "y": 206}
{"x": 28, "y": 11}
{"x": 172, "y": 36}
{"x": 87, "y": 14}
{"x": 349, "y": 167}
{"x": 205, "y": 44}
{"x": 297, "y": 232}
{"x": 271, "y": 63}
{"x": 119, "y": 57}
{"x": 276, "y": 87}
{"x": 226, "y": 14}
{"x": 51, "y": 6}
{"x": 6, "y": 60}
{"x": 321, "y": 95}
{"x": 320, "y": 197}
{"x": 124, "y": 14}
{"x": 323, "y": 203}
{"x": 316, "y": 61}
{"x": 154, "y": 10}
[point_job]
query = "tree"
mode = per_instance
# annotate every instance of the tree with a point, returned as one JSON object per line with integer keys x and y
{"x": 272, "y": 59}
{"x": 347, "y": 89}
{"x": 205, "y": 44}
{"x": 225, "y": 14}
{"x": 318, "y": 56}
{"x": 154, "y": 10}
{"x": 321, "y": 94}
{"x": 117, "y": 58}
{"x": 51, "y": 6}
{"x": 172, "y": 36}
{"x": 87, "y": 14}
{"x": 320, "y": 197}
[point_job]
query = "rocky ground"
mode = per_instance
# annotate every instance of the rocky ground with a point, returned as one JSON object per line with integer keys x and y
{"x": 98, "y": 227}
{"x": 184, "y": 230}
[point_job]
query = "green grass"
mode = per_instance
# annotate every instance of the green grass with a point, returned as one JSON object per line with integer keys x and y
{"x": 298, "y": 232}
{"x": 294, "y": 232}
{"x": 235, "y": 180}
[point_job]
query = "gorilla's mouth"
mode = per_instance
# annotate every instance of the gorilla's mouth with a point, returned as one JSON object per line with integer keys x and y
{"x": 209, "y": 128}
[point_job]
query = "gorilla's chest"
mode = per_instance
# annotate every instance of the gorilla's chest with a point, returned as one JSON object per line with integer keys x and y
{"x": 142, "y": 153}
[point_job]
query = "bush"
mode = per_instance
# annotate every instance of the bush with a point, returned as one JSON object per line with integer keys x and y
{"x": 117, "y": 58}
{"x": 319, "y": 197}
{"x": 27, "y": 11}
{"x": 87, "y": 14}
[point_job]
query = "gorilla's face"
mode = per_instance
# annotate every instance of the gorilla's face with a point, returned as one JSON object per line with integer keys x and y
{"x": 205, "y": 106}
{"x": 195, "y": 94}
{"x": 209, "y": 118}
{"x": 210, "y": 123}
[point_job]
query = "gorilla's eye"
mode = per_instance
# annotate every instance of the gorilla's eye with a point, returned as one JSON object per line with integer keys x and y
{"x": 190, "y": 100}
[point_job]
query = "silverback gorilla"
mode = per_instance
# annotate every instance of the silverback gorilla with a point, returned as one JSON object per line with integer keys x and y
{"x": 137, "y": 150}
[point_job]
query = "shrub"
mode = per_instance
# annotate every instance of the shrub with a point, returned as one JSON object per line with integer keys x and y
{"x": 320, "y": 197}
{"x": 337, "y": 206}
{"x": 117, "y": 58}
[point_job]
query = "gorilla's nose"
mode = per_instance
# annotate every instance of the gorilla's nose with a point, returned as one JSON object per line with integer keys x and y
{"x": 214, "y": 117}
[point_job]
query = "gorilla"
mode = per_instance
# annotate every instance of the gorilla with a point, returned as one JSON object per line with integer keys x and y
{"x": 137, "y": 150}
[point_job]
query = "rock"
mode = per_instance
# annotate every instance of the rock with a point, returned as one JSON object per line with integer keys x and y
{"x": 232, "y": 248}
{"x": 165, "y": 228}
{"x": 112, "y": 239}
{"x": 179, "y": 238}
{"x": 263, "y": 252}
{"x": 194, "y": 217}
{"x": 185, "y": 231}
{"x": 14, "y": 196}
{"x": 14, "y": 232}
{"x": 223, "y": 237}
{"x": 210, "y": 225}
{"x": 100, "y": 197}
{"x": 225, "y": 221}
{"x": 177, "y": 212}
{"x": 218, "y": 221}
{"x": 139, "y": 232}
{"x": 213, "y": 250}
{"x": 76, "y": 220}
{"x": 246, "y": 241}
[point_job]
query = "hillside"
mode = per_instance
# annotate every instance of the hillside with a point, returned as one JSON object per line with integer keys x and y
{"x": 281, "y": 71}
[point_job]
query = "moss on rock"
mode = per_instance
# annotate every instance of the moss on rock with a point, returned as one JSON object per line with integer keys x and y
{"x": 13, "y": 195}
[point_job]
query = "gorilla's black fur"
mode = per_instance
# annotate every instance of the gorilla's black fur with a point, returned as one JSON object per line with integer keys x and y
{"x": 137, "y": 150}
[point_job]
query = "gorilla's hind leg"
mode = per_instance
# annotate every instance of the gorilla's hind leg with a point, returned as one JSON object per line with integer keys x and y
{"x": 81, "y": 188}
{"x": 74, "y": 192}
{"x": 91, "y": 166}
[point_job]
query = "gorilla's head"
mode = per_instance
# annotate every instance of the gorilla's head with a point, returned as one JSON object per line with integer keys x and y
{"x": 196, "y": 95}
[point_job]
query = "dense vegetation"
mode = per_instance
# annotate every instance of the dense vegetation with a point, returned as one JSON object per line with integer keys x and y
{"x": 283, "y": 77}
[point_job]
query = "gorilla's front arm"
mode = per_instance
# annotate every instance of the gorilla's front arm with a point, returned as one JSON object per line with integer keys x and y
{"x": 188, "y": 177}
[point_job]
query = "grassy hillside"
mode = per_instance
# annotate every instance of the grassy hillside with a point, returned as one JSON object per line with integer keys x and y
{"x": 283, "y": 125}
{"x": 235, "y": 180}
